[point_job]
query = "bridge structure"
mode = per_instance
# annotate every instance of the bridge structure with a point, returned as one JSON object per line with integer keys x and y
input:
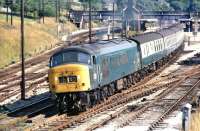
{"x": 103, "y": 15}
{"x": 160, "y": 16}
{"x": 168, "y": 15}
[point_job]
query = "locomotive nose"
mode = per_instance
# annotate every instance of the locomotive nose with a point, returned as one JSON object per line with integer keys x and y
{"x": 69, "y": 78}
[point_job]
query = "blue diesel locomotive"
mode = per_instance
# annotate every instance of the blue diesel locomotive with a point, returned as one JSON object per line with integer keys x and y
{"x": 81, "y": 76}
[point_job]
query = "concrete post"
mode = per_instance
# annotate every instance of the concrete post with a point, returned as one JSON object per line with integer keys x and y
{"x": 109, "y": 29}
{"x": 108, "y": 33}
{"x": 81, "y": 23}
{"x": 188, "y": 40}
{"x": 186, "y": 115}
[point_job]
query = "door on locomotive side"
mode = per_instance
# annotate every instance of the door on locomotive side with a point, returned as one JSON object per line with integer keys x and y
{"x": 96, "y": 72}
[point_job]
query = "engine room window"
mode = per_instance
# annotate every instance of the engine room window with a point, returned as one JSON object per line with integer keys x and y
{"x": 71, "y": 57}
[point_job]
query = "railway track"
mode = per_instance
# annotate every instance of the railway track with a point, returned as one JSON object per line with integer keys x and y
{"x": 137, "y": 91}
{"x": 24, "y": 113}
{"x": 10, "y": 77}
{"x": 163, "y": 102}
{"x": 136, "y": 111}
{"x": 174, "y": 104}
{"x": 114, "y": 102}
{"x": 32, "y": 109}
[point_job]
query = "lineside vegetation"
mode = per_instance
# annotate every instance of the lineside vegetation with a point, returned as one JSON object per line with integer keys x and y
{"x": 38, "y": 38}
{"x": 195, "y": 122}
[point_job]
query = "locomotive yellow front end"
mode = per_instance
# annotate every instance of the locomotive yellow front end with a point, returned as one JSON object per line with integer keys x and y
{"x": 69, "y": 71}
{"x": 69, "y": 78}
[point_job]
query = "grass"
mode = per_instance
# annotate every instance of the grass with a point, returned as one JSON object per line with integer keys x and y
{"x": 195, "y": 121}
{"x": 38, "y": 37}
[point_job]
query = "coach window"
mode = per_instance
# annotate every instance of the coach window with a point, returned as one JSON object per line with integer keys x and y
{"x": 159, "y": 47}
{"x": 152, "y": 47}
{"x": 144, "y": 51}
{"x": 147, "y": 49}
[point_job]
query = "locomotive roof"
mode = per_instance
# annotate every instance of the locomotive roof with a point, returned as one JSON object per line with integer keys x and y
{"x": 165, "y": 32}
{"x": 150, "y": 36}
{"x": 144, "y": 38}
{"x": 102, "y": 47}
{"x": 170, "y": 30}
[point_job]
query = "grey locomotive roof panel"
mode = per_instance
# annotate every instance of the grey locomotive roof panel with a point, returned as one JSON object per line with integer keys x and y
{"x": 171, "y": 30}
{"x": 165, "y": 32}
{"x": 144, "y": 38}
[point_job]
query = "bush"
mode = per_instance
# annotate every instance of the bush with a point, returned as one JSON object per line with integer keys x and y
{"x": 49, "y": 10}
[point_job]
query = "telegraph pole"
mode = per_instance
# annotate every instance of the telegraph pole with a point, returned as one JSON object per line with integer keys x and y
{"x": 39, "y": 10}
{"x": 58, "y": 9}
{"x": 22, "y": 53}
{"x": 7, "y": 13}
{"x": 11, "y": 14}
{"x": 90, "y": 24}
{"x": 56, "y": 4}
{"x": 43, "y": 11}
{"x": 66, "y": 8}
{"x": 113, "y": 24}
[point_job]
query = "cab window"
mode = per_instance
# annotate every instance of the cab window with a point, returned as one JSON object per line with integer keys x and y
{"x": 57, "y": 60}
{"x": 70, "y": 57}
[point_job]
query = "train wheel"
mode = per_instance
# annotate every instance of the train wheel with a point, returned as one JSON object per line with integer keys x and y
{"x": 98, "y": 93}
{"x": 102, "y": 95}
{"x": 125, "y": 83}
{"x": 129, "y": 81}
{"x": 110, "y": 90}
{"x": 138, "y": 77}
{"x": 60, "y": 104}
{"x": 133, "y": 79}
{"x": 77, "y": 107}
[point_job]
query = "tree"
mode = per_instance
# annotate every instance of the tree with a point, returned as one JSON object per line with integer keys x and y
{"x": 178, "y": 5}
{"x": 96, "y": 4}
{"x": 121, "y": 4}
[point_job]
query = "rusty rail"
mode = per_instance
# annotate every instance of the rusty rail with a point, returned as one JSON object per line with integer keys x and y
{"x": 171, "y": 109}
